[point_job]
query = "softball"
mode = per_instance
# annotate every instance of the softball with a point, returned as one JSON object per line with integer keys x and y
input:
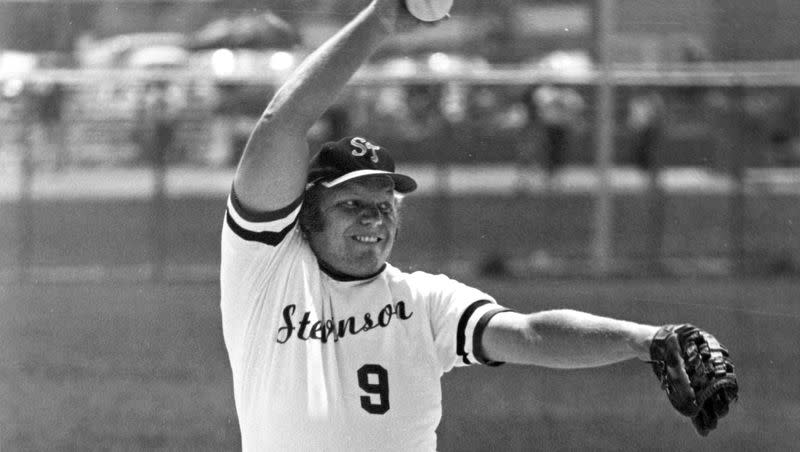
{"x": 429, "y": 10}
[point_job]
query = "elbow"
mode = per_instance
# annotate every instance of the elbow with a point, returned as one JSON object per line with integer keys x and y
{"x": 530, "y": 332}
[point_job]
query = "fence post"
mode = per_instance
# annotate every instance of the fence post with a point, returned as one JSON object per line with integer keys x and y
{"x": 738, "y": 196}
{"x": 161, "y": 143}
{"x": 158, "y": 220}
{"x": 656, "y": 208}
{"x": 443, "y": 201}
{"x": 26, "y": 222}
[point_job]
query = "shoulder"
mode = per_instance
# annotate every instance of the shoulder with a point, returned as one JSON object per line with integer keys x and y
{"x": 398, "y": 276}
{"x": 424, "y": 284}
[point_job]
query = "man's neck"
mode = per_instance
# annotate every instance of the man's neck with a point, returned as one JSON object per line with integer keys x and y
{"x": 341, "y": 276}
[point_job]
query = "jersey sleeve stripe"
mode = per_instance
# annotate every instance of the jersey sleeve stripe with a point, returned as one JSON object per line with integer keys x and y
{"x": 477, "y": 336}
{"x": 261, "y": 217}
{"x": 466, "y": 328}
{"x": 275, "y": 223}
{"x": 272, "y": 238}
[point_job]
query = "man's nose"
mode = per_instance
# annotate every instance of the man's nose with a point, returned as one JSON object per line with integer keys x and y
{"x": 371, "y": 215}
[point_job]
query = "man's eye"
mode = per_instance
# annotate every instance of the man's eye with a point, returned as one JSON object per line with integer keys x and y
{"x": 350, "y": 204}
{"x": 386, "y": 207}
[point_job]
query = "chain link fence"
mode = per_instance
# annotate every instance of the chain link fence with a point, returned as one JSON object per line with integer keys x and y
{"x": 126, "y": 176}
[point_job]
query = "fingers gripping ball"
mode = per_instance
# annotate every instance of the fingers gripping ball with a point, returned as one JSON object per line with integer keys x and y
{"x": 696, "y": 372}
{"x": 429, "y": 10}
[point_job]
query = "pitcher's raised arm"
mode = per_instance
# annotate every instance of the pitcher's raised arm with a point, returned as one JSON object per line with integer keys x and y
{"x": 272, "y": 170}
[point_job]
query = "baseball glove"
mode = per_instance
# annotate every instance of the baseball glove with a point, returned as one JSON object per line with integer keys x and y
{"x": 696, "y": 372}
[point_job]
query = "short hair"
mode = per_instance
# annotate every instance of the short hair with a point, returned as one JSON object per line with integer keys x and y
{"x": 310, "y": 217}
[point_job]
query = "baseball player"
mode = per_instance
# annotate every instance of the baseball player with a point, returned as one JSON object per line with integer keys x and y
{"x": 331, "y": 347}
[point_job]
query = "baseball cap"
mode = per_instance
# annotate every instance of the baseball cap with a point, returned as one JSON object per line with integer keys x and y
{"x": 353, "y": 157}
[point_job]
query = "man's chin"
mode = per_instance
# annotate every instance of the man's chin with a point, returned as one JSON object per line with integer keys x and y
{"x": 361, "y": 268}
{"x": 367, "y": 269}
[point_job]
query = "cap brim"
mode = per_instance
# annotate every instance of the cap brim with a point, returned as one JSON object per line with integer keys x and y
{"x": 402, "y": 183}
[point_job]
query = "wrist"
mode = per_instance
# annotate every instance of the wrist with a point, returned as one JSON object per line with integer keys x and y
{"x": 642, "y": 339}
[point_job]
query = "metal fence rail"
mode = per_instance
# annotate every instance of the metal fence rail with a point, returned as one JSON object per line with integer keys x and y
{"x": 106, "y": 187}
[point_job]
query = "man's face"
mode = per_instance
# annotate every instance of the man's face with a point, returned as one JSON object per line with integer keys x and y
{"x": 359, "y": 226}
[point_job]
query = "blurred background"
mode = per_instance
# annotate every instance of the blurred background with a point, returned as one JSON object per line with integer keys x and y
{"x": 640, "y": 158}
{"x": 643, "y": 116}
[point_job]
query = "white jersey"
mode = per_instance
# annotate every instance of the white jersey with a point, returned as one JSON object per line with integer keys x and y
{"x": 323, "y": 363}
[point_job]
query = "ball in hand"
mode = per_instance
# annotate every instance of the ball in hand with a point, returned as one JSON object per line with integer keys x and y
{"x": 429, "y": 10}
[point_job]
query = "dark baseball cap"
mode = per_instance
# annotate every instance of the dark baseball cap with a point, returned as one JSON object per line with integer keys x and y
{"x": 351, "y": 158}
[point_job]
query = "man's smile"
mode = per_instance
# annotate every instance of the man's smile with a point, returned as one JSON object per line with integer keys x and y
{"x": 366, "y": 238}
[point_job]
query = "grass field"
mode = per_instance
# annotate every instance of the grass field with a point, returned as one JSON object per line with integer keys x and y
{"x": 139, "y": 366}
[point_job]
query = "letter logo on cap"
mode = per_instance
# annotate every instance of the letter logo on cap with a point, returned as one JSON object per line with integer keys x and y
{"x": 363, "y": 146}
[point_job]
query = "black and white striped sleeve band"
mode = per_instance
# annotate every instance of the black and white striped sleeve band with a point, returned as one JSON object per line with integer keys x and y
{"x": 268, "y": 228}
{"x": 469, "y": 334}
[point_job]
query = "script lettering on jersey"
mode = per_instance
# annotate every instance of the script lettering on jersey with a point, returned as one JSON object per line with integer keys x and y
{"x": 334, "y": 329}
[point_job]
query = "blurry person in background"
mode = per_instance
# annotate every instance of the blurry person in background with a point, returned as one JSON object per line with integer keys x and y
{"x": 645, "y": 124}
{"x": 559, "y": 114}
{"x": 784, "y": 132}
{"x": 423, "y": 125}
{"x": 424, "y": 117}
{"x": 529, "y": 146}
{"x": 13, "y": 104}
{"x": 482, "y": 110}
{"x": 49, "y": 111}
{"x": 491, "y": 122}
{"x": 157, "y": 120}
